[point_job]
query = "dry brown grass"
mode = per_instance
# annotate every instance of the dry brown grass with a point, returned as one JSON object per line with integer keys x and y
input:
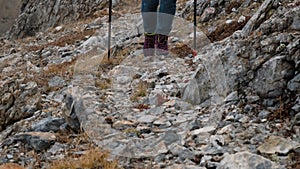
{"x": 65, "y": 40}
{"x": 282, "y": 111}
{"x": 94, "y": 158}
{"x": 141, "y": 91}
{"x": 103, "y": 83}
{"x": 62, "y": 69}
{"x": 11, "y": 166}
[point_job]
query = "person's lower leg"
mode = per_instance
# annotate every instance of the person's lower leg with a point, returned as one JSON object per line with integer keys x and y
{"x": 166, "y": 14}
{"x": 149, "y": 15}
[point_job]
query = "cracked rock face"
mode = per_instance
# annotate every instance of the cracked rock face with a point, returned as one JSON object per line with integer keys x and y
{"x": 40, "y": 15}
{"x": 275, "y": 144}
{"x": 248, "y": 161}
{"x": 9, "y": 11}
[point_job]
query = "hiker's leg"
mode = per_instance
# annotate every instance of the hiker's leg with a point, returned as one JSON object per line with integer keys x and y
{"x": 149, "y": 14}
{"x": 166, "y": 14}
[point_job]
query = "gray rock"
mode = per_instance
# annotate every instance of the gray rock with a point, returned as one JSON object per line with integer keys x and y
{"x": 39, "y": 15}
{"x": 296, "y": 107}
{"x": 252, "y": 99}
{"x": 49, "y": 124}
{"x": 256, "y": 18}
{"x": 276, "y": 144}
{"x": 207, "y": 129}
{"x": 296, "y": 23}
{"x": 170, "y": 137}
{"x": 296, "y": 120}
{"x": 217, "y": 141}
{"x": 70, "y": 110}
{"x": 57, "y": 148}
{"x": 266, "y": 82}
{"x": 180, "y": 151}
{"x": 294, "y": 84}
{"x": 39, "y": 144}
{"x": 39, "y": 141}
{"x": 183, "y": 166}
{"x": 197, "y": 91}
{"x": 208, "y": 14}
{"x": 9, "y": 11}
{"x": 246, "y": 160}
{"x": 123, "y": 124}
{"x": 202, "y": 139}
{"x": 147, "y": 119}
{"x": 232, "y": 97}
{"x": 264, "y": 114}
{"x": 56, "y": 82}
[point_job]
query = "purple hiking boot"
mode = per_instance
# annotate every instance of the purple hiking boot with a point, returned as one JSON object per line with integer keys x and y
{"x": 161, "y": 42}
{"x": 149, "y": 44}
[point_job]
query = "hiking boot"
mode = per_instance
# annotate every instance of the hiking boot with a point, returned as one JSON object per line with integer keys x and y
{"x": 149, "y": 44}
{"x": 161, "y": 42}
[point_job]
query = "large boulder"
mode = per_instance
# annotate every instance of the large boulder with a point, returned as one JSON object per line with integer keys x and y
{"x": 246, "y": 160}
{"x": 37, "y": 15}
{"x": 9, "y": 11}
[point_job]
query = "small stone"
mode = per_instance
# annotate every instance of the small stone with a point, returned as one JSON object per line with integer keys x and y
{"x": 162, "y": 123}
{"x": 229, "y": 21}
{"x": 202, "y": 139}
{"x": 232, "y": 97}
{"x": 217, "y": 141}
{"x": 263, "y": 120}
{"x": 227, "y": 129}
{"x": 56, "y": 148}
{"x": 123, "y": 124}
{"x": 170, "y": 137}
{"x": 229, "y": 118}
{"x": 58, "y": 28}
{"x": 246, "y": 160}
{"x": 58, "y": 98}
{"x": 264, "y": 114}
{"x": 181, "y": 151}
{"x": 242, "y": 19}
{"x": 296, "y": 23}
{"x": 48, "y": 124}
{"x": 276, "y": 144}
{"x": 56, "y": 81}
{"x": 294, "y": 84}
{"x": 207, "y": 14}
{"x": 296, "y": 120}
{"x": 207, "y": 129}
{"x": 9, "y": 156}
{"x": 252, "y": 99}
{"x": 244, "y": 119}
{"x": 147, "y": 119}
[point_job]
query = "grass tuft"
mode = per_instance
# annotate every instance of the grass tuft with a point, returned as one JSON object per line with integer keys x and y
{"x": 141, "y": 91}
{"x": 94, "y": 158}
{"x": 11, "y": 166}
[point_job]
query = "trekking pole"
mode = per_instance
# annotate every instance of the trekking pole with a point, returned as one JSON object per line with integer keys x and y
{"x": 109, "y": 26}
{"x": 195, "y": 27}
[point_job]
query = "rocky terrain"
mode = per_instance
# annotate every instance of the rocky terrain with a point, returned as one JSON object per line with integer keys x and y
{"x": 236, "y": 104}
{"x": 9, "y": 11}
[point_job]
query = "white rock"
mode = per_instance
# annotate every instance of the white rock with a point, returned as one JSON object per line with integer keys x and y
{"x": 207, "y": 129}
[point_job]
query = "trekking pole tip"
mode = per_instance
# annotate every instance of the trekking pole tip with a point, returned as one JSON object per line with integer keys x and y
{"x": 195, "y": 53}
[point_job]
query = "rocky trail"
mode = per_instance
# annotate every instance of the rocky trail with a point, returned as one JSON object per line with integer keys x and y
{"x": 234, "y": 105}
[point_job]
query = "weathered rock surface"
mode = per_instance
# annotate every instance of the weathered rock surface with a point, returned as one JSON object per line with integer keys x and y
{"x": 9, "y": 11}
{"x": 246, "y": 160}
{"x": 40, "y": 15}
{"x": 235, "y": 105}
{"x": 275, "y": 144}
